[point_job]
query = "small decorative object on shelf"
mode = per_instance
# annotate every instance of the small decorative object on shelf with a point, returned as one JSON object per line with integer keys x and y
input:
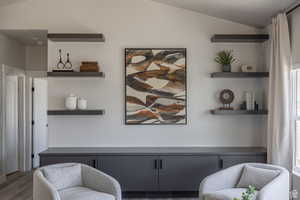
{"x": 68, "y": 64}
{"x": 225, "y": 58}
{"x": 250, "y": 100}
{"x": 82, "y": 104}
{"x": 256, "y": 106}
{"x": 63, "y": 67}
{"x": 243, "y": 105}
{"x": 60, "y": 65}
{"x": 226, "y": 98}
{"x": 71, "y": 102}
{"x": 248, "y": 68}
{"x": 89, "y": 66}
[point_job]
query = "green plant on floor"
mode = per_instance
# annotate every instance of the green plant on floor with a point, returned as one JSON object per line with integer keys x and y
{"x": 225, "y": 57}
{"x": 248, "y": 195}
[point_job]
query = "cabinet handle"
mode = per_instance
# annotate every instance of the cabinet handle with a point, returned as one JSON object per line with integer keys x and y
{"x": 221, "y": 163}
{"x": 160, "y": 164}
{"x": 155, "y": 164}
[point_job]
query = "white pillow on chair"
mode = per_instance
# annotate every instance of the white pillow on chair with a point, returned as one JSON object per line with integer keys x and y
{"x": 257, "y": 177}
{"x": 64, "y": 177}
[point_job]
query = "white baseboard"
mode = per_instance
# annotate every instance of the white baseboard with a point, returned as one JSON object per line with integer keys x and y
{"x": 2, "y": 179}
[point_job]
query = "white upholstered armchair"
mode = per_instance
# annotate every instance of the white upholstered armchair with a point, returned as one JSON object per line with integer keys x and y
{"x": 73, "y": 181}
{"x": 271, "y": 182}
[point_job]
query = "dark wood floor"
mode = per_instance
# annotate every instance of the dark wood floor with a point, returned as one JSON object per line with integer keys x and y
{"x": 17, "y": 187}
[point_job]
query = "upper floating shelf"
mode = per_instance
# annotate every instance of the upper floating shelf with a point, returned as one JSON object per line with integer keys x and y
{"x": 241, "y": 38}
{"x": 76, "y": 74}
{"x": 240, "y": 75}
{"x": 76, "y": 37}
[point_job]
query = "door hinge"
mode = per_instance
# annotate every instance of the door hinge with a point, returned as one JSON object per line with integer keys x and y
{"x": 32, "y": 89}
{"x": 32, "y": 122}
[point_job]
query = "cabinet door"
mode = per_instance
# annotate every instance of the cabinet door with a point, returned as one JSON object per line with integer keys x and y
{"x": 228, "y": 161}
{"x": 134, "y": 173}
{"x": 45, "y": 160}
{"x": 185, "y": 173}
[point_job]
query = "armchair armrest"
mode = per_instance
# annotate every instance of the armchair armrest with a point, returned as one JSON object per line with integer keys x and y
{"x": 276, "y": 189}
{"x": 100, "y": 181}
{"x": 223, "y": 179}
{"x": 42, "y": 189}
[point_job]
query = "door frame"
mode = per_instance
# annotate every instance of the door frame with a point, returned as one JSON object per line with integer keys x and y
{"x": 35, "y": 118}
{"x": 30, "y": 75}
{"x": 5, "y": 71}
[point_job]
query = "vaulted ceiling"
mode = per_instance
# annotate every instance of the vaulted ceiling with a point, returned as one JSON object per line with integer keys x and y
{"x": 256, "y": 13}
{"x": 7, "y": 2}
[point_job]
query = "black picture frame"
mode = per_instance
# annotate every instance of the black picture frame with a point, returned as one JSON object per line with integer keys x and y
{"x": 125, "y": 87}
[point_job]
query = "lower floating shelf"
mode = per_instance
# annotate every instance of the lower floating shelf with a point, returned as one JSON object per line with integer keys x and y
{"x": 239, "y": 112}
{"x": 75, "y": 112}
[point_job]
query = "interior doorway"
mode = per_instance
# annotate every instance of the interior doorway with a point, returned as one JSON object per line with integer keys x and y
{"x": 12, "y": 123}
{"x": 13, "y": 119}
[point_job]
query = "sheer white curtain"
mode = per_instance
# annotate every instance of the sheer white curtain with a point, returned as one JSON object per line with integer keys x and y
{"x": 280, "y": 143}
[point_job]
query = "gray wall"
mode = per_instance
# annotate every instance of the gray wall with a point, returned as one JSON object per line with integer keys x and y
{"x": 12, "y": 53}
{"x": 36, "y": 58}
{"x": 142, "y": 23}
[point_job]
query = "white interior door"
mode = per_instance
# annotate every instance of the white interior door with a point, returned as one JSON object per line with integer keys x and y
{"x": 40, "y": 118}
{"x": 11, "y": 125}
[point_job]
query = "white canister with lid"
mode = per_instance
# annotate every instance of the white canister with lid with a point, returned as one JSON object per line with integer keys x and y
{"x": 71, "y": 102}
{"x": 82, "y": 104}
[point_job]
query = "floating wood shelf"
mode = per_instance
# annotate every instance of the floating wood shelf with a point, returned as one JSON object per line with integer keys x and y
{"x": 241, "y": 38}
{"x": 75, "y": 112}
{"x": 76, "y": 37}
{"x": 239, "y": 112}
{"x": 240, "y": 75}
{"x": 76, "y": 74}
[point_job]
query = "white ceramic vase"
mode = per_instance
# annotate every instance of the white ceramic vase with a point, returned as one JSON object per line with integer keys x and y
{"x": 71, "y": 102}
{"x": 82, "y": 104}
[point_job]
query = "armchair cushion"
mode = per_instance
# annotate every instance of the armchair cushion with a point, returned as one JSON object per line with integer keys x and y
{"x": 80, "y": 193}
{"x": 64, "y": 177}
{"x": 227, "y": 194}
{"x": 257, "y": 177}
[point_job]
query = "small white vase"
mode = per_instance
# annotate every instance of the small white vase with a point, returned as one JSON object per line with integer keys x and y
{"x": 250, "y": 99}
{"x": 82, "y": 104}
{"x": 71, "y": 102}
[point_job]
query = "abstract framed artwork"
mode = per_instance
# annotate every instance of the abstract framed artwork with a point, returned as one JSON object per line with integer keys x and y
{"x": 155, "y": 86}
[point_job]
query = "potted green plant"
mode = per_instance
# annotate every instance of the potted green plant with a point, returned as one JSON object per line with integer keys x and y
{"x": 225, "y": 58}
{"x": 248, "y": 195}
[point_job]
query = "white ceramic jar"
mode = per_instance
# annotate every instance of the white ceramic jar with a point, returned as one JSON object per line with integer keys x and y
{"x": 71, "y": 102}
{"x": 82, "y": 104}
{"x": 248, "y": 68}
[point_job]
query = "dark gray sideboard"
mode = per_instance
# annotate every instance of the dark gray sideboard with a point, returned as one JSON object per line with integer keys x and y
{"x": 161, "y": 169}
